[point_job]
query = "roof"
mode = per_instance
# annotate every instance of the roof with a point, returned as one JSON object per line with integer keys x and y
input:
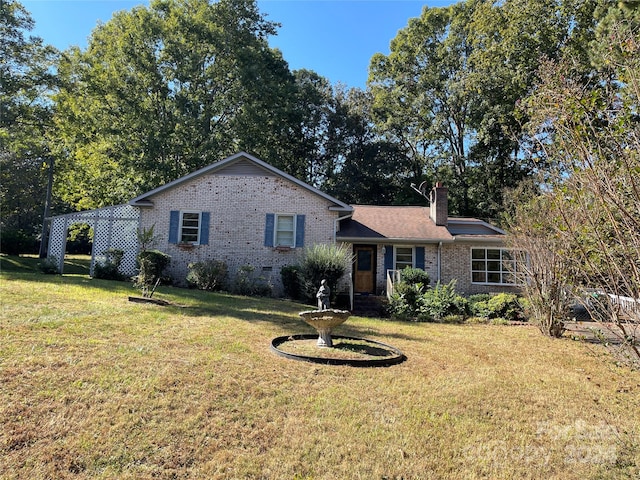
{"x": 236, "y": 165}
{"x": 410, "y": 224}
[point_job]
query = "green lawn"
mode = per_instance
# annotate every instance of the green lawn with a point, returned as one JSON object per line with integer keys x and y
{"x": 95, "y": 386}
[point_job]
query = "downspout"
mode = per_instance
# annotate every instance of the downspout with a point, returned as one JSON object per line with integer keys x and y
{"x": 335, "y": 232}
{"x": 439, "y": 261}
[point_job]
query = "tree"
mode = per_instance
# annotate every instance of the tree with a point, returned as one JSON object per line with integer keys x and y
{"x": 165, "y": 90}
{"x": 448, "y": 90}
{"x": 591, "y": 134}
{"x": 26, "y": 79}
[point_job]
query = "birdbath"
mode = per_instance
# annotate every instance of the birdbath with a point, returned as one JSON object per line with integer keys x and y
{"x": 324, "y": 321}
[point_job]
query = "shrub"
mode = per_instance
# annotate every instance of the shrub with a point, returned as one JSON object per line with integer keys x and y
{"x": 15, "y": 242}
{"x": 440, "y": 302}
{"x": 108, "y": 270}
{"x": 49, "y": 266}
{"x": 405, "y": 300}
{"x": 412, "y": 276}
{"x": 290, "y": 275}
{"x": 505, "y": 305}
{"x": 248, "y": 283}
{"x": 151, "y": 264}
{"x": 208, "y": 275}
{"x": 323, "y": 262}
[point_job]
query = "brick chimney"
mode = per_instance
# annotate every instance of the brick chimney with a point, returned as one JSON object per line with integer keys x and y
{"x": 439, "y": 209}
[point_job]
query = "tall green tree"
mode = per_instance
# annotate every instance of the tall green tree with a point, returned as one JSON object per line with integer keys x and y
{"x": 164, "y": 90}
{"x": 449, "y": 88}
{"x": 26, "y": 80}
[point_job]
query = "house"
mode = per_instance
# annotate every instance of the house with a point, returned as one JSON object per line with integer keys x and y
{"x": 244, "y": 211}
{"x": 387, "y": 239}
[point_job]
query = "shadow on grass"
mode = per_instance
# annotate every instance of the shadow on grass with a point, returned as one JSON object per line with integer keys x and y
{"x": 198, "y": 303}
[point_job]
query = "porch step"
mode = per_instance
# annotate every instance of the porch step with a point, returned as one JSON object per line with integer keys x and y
{"x": 369, "y": 306}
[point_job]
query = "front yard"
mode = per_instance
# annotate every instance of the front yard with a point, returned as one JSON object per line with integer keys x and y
{"x": 94, "y": 386}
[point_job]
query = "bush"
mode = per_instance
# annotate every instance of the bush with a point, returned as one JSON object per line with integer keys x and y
{"x": 249, "y": 284}
{"x": 323, "y": 262}
{"x": 413, "y": 276}
{"x": 405, "y": 301}
{"x": 290, "y": 275}
{"x": 502, "y": 305}
{"x": 151, "y": 264}
{"x": 108, "y": 270}
{"x": 49, "y": 266}
{"x": 440, "y": 302}
{"x": 208, "y": 275}
{"x": 15, "y": 242}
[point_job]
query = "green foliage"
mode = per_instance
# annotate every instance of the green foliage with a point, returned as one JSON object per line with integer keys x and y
{"x": 404, "y": 303}
{"x": 502, "y": 305}
{"x": 413, "y": 276}
{"x": 290, "y": 275}
{"x": 210, "y": 275}
{"x": 79, "y": 239}
{"x": 15, "y": 242}
{"x": 440, "y": 302}
{"x": 246, "y": 282}
{"x": 25, "y": 119}
{"x": 323, "y": 262}
{"x": 151, "y": 264}
{"x": 187, "y": 82}
{"x": 49, "y": 266}
{"x": 413, "y": 302}
{"x": 108, "y": 269}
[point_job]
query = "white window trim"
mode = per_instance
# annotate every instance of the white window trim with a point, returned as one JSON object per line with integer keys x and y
{"x": 515, "y": 283}
{"x": 275, "y": 229}
{"x": 395, "y": 255}
{"x": 197, "y": 242}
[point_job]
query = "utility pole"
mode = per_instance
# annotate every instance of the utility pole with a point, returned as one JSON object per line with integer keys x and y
{"x": 47, "y": 207}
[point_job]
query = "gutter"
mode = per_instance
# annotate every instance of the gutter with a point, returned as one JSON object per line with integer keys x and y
{"x": 440, "y": 262}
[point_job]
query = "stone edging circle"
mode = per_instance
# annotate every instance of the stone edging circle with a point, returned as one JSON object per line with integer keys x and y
{"x": 399, "y": 357}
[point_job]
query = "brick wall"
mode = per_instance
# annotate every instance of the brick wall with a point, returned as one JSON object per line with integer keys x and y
{"x": 238, "y": 206}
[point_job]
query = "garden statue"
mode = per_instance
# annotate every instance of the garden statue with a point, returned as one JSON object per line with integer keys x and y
{"x": 323, "y": 296}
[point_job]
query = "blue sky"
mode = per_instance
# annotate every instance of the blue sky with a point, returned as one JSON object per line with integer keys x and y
{"x": 335, "y": 38}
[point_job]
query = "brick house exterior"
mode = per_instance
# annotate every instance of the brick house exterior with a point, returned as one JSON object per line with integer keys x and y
{"x": 389, "y": 238}
{"x": 244, "y": 211}
{"x": 239, "y": 203}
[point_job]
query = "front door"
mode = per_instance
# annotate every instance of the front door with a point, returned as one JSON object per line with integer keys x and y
{"x": 365, "y": 269}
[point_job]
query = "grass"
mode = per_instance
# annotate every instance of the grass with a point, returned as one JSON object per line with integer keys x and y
{"x": 94, "y": 386}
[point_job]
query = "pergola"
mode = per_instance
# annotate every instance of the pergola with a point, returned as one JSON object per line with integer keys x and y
{"x": 114, "y": 227}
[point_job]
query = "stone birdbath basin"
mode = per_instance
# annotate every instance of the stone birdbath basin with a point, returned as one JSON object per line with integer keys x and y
{"x": 324, "y": 321}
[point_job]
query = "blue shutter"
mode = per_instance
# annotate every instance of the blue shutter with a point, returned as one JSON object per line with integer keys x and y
{"x": 174, "y": 226}
{"x": 420, "y": 257}
{"x": 300, "y": 230}
{"x": 204, "y": 228}
{"x": 388, "y": 259}
{"x": 268, "y": 229}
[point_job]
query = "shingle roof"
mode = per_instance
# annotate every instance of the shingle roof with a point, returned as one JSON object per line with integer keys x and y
{"x": 410, "y": 224}
{"x": 392, "y": 223}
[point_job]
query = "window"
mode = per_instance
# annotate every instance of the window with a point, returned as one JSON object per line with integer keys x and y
{"x": 285, "y": 231}
{"x": 495, "y": 266}
{"x": 190, "y": 227}
{"x": 404, "y": 257}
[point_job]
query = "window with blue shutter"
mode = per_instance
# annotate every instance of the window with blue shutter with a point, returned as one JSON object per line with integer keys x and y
{"x": 284, "y": 230}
